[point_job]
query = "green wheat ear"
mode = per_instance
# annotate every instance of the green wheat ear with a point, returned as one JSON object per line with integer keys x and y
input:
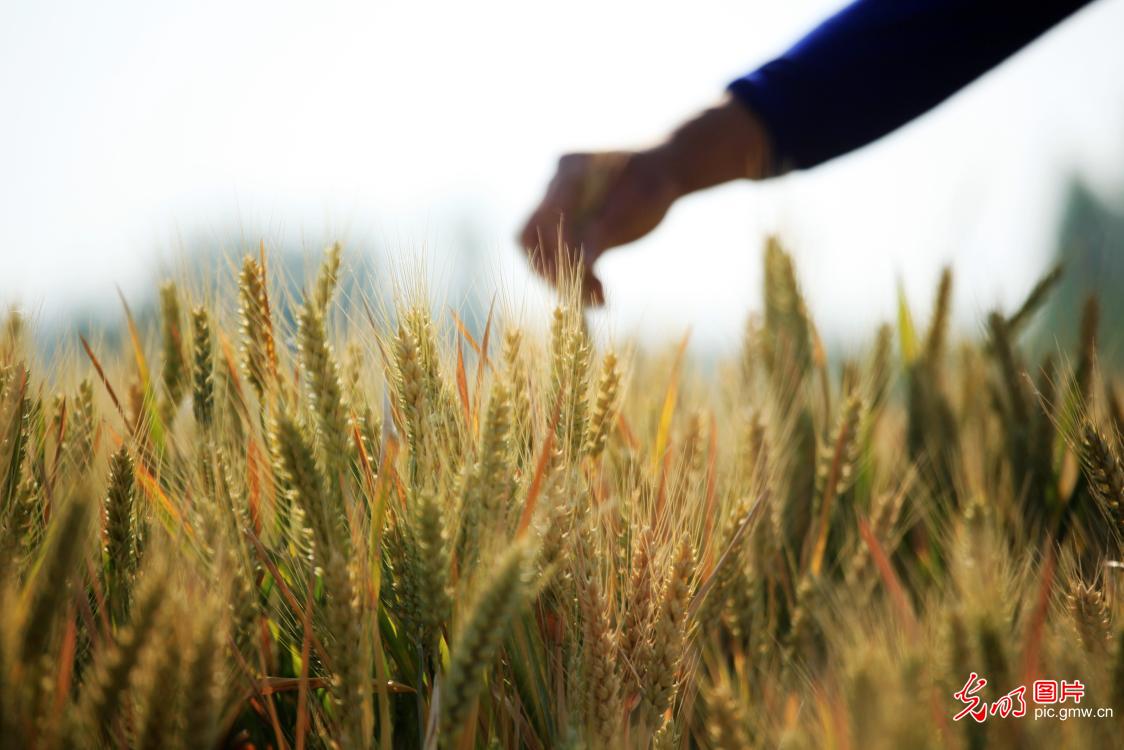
{"x": 202, "y": 368}
{"x": 325, "y": 390}
{"x": 787, "y": 336}
{"x": 83, "y": 427}
{"x": 120, "y": 525}
{"x": 297, "y": 467}
{"x": 474, "y": 647}
{"x": 174, "y": 373}
{"x": 487, "y": 486}
{"x": 327, "y": 279}
{"x": 49, "y": 587}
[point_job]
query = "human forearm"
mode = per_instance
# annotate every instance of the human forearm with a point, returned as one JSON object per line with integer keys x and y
{"x": 597, "y": 201}
{"x": 721, "y": 144}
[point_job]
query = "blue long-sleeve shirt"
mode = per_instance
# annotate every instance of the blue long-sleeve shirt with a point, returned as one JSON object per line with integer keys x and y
{"x": 877, "y": 64}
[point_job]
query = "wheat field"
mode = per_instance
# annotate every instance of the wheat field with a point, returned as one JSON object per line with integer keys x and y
{"x": 278, "y": 522}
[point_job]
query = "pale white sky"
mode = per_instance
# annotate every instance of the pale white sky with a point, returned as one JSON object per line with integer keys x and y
{"x": 129, "y": 126}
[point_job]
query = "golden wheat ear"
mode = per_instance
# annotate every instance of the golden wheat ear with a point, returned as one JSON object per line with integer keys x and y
{"x": 726, "y": 722}
{"x": 259, "y": 357}
{"x": 1105, "y": 472}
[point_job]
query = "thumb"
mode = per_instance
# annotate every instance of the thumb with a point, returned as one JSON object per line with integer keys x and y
{"x": 593, "y": 293}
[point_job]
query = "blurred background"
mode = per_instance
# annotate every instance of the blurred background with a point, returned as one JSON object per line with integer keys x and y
{"x": 140, "y": 136}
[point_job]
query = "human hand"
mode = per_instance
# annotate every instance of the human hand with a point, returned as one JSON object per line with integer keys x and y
{"x": 595, "y": 202}
{"x": 598, "y": 201}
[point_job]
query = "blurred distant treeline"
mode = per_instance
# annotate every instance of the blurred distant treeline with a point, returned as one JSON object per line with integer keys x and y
{"x": 1090, "y": 245}
{"x": 210, "y": 269}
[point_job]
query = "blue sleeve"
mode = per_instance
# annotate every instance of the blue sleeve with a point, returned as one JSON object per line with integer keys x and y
{"x": 877, "y": 64}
